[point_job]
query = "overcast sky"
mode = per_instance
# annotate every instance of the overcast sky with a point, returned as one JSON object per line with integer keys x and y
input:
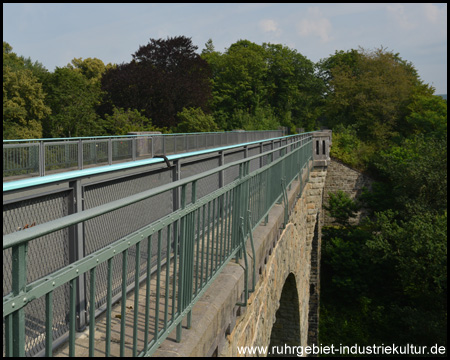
{"x": 54, "y": 34}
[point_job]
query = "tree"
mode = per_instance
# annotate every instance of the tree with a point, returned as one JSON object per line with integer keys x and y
{"x": 23, "y": 98}
{"x": 417, "y": 173}
{"x": 372, "y": 90}
{"x": 268, "y": 80}
{"x": 427, "y": 115}
{"x": 341, "y": 207}
{"x": 121, "y": 122}
{"x": 91, "y": 68}
{"x": 164, "y": 77}
{"x": 195, "y": 120}
{"x": 294, "y": 92}
{"x": 73, "y": 99}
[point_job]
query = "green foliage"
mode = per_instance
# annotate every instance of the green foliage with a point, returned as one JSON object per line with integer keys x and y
{"x": 263, "y": 119}
{"x": 251, "y": 80}
{"x": 195, "y": 120}
{"x": 417, "y": 172}
{"x": 350, "y": 149}
{"x": 416, "y": 250}
{"x": 73, "y": 99}
{"x": 91, "y": 68}
{"x": 370, "y": 89}
{"x": 121, "y": 122}
{"x": 341, "y": 207}
{"x": 164, "y": 77}
{"x": 428, "y": 115}
{"x": 23, "y": 98}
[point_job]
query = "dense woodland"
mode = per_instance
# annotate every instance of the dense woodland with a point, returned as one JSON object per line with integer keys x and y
{"x": 384, "y": 281}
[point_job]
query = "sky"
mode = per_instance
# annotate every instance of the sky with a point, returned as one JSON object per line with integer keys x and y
{"x": 54, "y": 34}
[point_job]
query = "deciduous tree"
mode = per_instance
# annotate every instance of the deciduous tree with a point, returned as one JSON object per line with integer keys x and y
{"x": 23, "y": 98}
{"x": 164, "y": 77}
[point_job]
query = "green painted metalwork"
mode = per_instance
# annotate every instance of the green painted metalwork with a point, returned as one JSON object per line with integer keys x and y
{"x": 108, "y": 310}
{"x": 48, "y": 324}
{"x": 202, "y": 237}
{"x": 92, "y": 314}
{"x": 123, "y": 304}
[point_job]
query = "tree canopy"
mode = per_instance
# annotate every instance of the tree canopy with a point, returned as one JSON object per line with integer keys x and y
{"x": 23, "y": 97}
{"x": 164, "y": 77}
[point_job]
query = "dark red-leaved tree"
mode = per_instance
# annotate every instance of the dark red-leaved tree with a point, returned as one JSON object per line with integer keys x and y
{"x": 163, "y": 77}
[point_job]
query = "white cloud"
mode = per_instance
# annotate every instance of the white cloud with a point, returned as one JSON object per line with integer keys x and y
{"x": 268, "y": 25}
{"x": 398, "y": 13}
{"x": 435, "y": 14}
{"x": 315, "y": 24}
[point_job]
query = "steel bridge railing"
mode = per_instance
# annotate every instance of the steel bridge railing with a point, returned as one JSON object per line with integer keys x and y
{"x": 36, "y": 157}
{"x": 186, "y": 250}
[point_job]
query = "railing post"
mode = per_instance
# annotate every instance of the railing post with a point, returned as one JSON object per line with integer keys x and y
{"x": 176, "y": 175}
{"x": 152, "y": 139}
{"x": 80, "y": 154}
{"x": 221, "y": 173}
{"x": 76, "y": 252}
{"x": 41, "y": 158}
{"x": 110, "y": 151}
{"x": 182, "y": 272}
{"x": 261, "y": 150}
{"x": 19, "y": 281}
{"x": 133, "y": 148}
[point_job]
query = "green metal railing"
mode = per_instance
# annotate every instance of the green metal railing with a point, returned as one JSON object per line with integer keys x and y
{"x": 200, "y": 238}
{"x": 32, "y": 157}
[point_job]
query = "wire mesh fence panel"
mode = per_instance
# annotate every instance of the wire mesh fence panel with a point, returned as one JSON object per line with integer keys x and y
{"x": 255, "y": 163}
{"x": 144, "y": 147}
{"x": 232, "y": 173}
{"x": 61, "y": 155}
{"x": 191, "y": 142}
{"x": 103, "y": 230}
{"x": 27, "y": 213}
{"x": 95, "y": 152}
{"x": 19, "y": 159}
{"x": 206, "y": 185}
{"x": 122, "y": 149}
{"x": 168, "y": 145}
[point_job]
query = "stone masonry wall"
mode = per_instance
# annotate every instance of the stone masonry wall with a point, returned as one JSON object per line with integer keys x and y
{"x": 343, "y": 177}
{"x": 291, "y": 255}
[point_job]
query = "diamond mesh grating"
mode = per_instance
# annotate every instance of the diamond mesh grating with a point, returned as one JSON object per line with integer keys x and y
{"x": 55, "y": 246}
{"x": 232, "y": 173}
{"x": 205, "y": 185}
{"x": 103, "y": 230}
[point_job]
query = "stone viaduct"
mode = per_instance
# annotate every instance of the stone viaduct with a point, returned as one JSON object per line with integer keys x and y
{"x": 282, "y": 309}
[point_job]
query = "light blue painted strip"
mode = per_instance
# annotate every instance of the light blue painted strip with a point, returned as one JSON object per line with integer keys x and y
{"x": 68, "y": 175}
{"x": 64, "y": 176}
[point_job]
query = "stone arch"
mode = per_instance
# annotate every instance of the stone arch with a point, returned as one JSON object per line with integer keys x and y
{"x": 286, "y": 329}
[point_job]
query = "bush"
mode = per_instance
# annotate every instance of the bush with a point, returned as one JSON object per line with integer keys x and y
{"x": 195, "y": 120}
